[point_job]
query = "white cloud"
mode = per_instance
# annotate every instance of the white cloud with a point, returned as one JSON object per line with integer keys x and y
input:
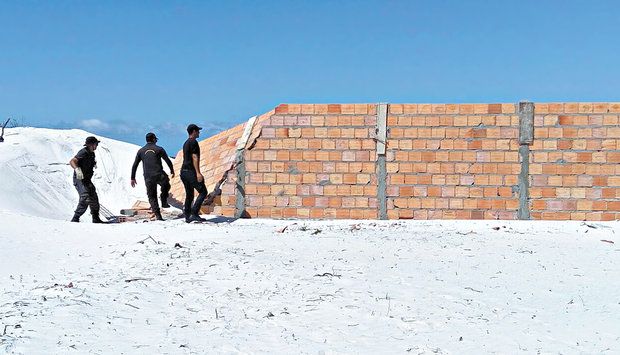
{"x": 112, "y": 127}
{"x": 93, "y": 124}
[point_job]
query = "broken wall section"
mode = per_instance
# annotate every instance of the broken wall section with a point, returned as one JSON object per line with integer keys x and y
{"x": 314, "y": 161}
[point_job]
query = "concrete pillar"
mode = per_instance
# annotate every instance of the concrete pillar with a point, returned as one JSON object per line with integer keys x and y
{"x": 525, "y": 110}
{"x": 240, "y": 168}
{"x": 240, "y": 188}
{"x": 381, "y": 139}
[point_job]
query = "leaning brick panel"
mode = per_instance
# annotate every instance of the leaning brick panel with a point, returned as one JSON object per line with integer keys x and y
{"x": 217, "y": 154}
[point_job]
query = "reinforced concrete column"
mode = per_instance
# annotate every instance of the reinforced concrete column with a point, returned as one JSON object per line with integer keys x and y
{"x": 381, "y": 139}
{"x": 240, "y": 168}
{"x": 525, "y": 110}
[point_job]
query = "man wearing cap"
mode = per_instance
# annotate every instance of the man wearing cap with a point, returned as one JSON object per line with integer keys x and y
{"x": 83, "y": 164}
{"x": 191, "y": 177}
{"x": 151, "y": 155}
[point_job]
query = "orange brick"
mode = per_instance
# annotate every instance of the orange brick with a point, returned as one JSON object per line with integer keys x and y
{"x": 571, "y": 107}
{"x": 585, "y": 107}
{"x": 452, "y": 108}
{"x": 347, "y": 108}
{"x": 466, "y": 108}
{"x": 438, "y": 108}
{"x": 494, "y": 108}
{"x": 481, "y": 108}
{"x": 556, "y": 107}
{"x": 281, "y": 109}
{"x": 334, "y": 109}
{"x": 425, "y": 108}
{"x": 540, "y": 108}
{"x": 539, "y": 205}
{"x": 479, "y": 133}
{"x": 599, "y": 205}
{"x": 600, "y": 107}
{"x": 395, "y": 108}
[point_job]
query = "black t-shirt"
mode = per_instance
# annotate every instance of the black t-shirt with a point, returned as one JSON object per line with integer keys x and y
{"x": 151, "y": 155}
{"x": 86, "y": 161}
{"x": 190, "y": 147}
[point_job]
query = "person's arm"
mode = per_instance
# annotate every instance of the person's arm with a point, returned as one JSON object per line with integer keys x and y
{"x": 167, "y": 160}
{"x": 195, "y": 149}
{"x": 74, "y": 164}
{"x": 197, "y": 167}
{"x": 134, "y": 168}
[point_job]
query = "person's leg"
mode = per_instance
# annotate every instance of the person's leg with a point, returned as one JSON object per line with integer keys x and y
{"x": 82, "y": 202}
{"x": 165, "y": 189}
{"x": 93, "y": 202}
{"x": 151, "y": 192}
{"x": 186, "y": 178}
{"x": 202, "y": 193}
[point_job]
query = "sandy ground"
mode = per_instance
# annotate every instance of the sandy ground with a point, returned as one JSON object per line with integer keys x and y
{"x": 316, "y": 287}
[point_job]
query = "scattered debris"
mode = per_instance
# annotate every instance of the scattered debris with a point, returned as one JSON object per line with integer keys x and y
{"x": 147, "y": 238}
{"x": 326, "y": 274}
{"x": 607, "y": 241}
{"x": 495, "y": 228}
{"x": 138, "y": 279}
{"x": 3, "y": 126}
{"x": 177, "y": 245}
{"x": 282, "y": 229}
{"x": 471, "y": 289}
{"x": 70, "y": 285}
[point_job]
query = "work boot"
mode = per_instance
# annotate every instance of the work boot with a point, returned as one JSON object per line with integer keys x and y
{"x": 75, "y": 218}
{"x": 194, "y": 218}
{"x": 158, "y": 216}
{"x": 164, "y": 203}
{"x": 96, "y": 219}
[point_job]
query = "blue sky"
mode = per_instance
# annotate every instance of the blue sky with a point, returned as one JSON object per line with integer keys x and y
{"x": 123, "y": 68}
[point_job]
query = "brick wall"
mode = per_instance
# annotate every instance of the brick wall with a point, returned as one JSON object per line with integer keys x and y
{"x": 574, "y": 169}
{"x": 442, "y": 161}
{"x": 314, "y": 161}
{"x": 452, "y": 161}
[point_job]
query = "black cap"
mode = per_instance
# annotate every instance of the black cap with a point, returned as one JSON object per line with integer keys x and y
{"x": 192, "y": 127}
{"x": 91, "y": 140}
{"x": 151, "y": 137}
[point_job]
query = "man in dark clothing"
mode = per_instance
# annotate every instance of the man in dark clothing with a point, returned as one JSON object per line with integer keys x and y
{"x": 83, "y": 164}
{"x": 191, "y": 177}
{"x": 151, "y": 155}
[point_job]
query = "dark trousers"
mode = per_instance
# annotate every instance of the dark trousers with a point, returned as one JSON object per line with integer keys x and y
{"x": 151, "y": 190}
{"x": 88, "y": 197}
{"x": 190, "y": 182}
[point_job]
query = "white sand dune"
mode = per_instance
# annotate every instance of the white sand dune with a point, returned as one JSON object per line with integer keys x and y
{"x": 35, "y": 176}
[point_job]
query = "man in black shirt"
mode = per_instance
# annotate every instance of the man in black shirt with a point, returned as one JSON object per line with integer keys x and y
{"x": 151, "y": 155}
{"x": 191, "y": 177}
{"x": 83, "y": 164}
